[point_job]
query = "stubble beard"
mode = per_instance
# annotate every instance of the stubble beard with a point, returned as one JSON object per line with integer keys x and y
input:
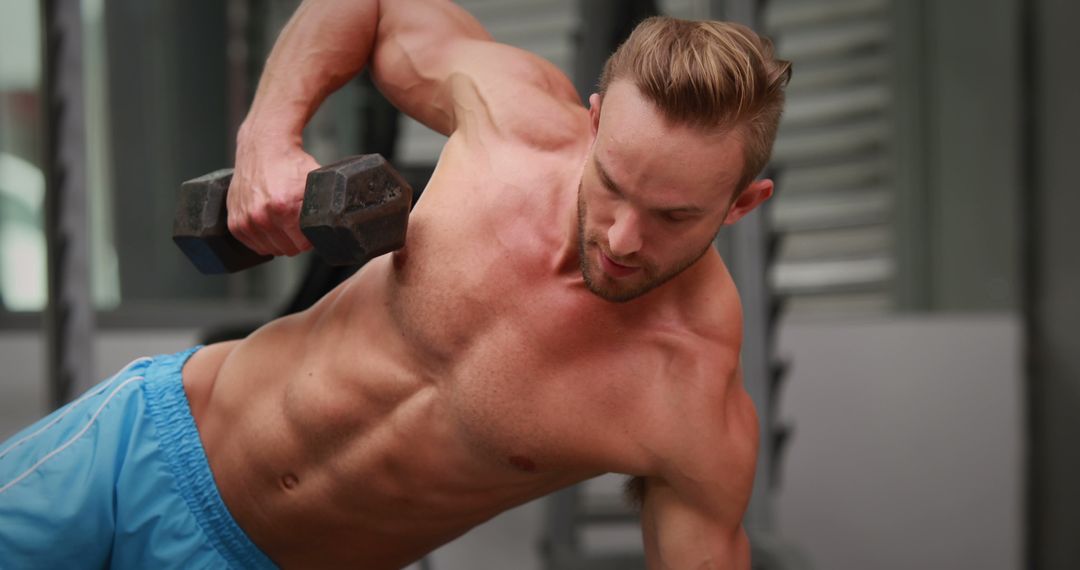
{"x": 654, "y": 277}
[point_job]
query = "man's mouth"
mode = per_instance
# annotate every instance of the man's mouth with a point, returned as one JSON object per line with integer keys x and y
{"x": 614, "y": 268}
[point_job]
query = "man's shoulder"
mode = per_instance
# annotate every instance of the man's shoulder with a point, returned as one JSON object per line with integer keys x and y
{"x": 704, "y": 372}
{"x": 702, "y": 417}
{"x": 705, "y": 364}
{"x": 515, "y": 95}
{"x": 710, "y": 312}
{"x": 701, "y": 347}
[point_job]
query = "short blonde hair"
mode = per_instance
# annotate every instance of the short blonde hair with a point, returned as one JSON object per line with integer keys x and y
{"x": 710, "y": 75}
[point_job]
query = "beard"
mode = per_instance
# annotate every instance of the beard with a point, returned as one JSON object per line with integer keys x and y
{"x": 620, "y": 291}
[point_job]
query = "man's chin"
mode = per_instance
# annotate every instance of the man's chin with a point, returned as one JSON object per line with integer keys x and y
{"x": 608, "y": 293}
{"x": 613, "y": 296}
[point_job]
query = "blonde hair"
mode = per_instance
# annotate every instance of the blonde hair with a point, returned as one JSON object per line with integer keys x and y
{"x": 709, "y": 75}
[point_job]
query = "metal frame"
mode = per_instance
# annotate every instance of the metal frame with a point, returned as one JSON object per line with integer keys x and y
{"x": 70, "y": 314}
{"x": 910, "y": 170}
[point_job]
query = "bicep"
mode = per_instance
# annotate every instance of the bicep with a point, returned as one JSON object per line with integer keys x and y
{"x": 436, "y": 62}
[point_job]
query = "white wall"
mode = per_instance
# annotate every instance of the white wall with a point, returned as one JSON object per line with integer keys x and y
{"x": 908, "y": 447}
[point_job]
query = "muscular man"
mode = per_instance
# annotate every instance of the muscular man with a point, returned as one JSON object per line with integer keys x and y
{"x": 557, "y": 312}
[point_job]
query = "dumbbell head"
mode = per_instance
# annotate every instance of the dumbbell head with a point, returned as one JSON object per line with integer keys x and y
{"x": 355, "y": 209}
{"x": 200, "y": 226}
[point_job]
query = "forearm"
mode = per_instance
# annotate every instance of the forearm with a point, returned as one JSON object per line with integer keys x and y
{"x": 679, "y": 534}
{"x": 324, "y": 44}
{"x": 700, "y": 547}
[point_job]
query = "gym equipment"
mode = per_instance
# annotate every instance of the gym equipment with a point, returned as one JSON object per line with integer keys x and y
{"x": 354, "y": 210}
{"x": 69, "y": 317}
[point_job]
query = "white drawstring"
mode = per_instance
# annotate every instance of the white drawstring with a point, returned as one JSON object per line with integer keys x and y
{"x": 73, "y": 439}
{"x": 71, "y": 407}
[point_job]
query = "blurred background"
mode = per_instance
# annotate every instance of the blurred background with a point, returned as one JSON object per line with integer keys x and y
{"x": 913, "y": 329}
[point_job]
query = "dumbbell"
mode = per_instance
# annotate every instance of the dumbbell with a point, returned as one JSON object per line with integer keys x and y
{"x": 354, "y": 210}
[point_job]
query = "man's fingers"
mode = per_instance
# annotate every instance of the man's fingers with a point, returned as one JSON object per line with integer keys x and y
{"x": 265, "y": 199}
{"x": 282, "y": 245}
{"x": 270, "y": 229}
{"x": 298, "y": 239}
{"x": 273, "y": 241}
{"x": 285, "y": 227}
{"x": 245, "y": 229}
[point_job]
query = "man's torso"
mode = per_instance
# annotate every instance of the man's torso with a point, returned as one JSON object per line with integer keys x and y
{"x": 442, "y": 384}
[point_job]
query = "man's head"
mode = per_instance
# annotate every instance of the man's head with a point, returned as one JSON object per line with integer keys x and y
{"x": 684, "y": 122}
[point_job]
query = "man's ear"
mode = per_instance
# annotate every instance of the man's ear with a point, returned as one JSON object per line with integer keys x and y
{"x": 755, "y": 194}
{"x": 594, "y": 112}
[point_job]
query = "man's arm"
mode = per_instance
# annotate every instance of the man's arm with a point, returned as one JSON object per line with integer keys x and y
{"x": 691, "y": 514}
{"x": 325, "y": 43}
{"x": 679, "y": 532}
{"x": 427, "y": 56}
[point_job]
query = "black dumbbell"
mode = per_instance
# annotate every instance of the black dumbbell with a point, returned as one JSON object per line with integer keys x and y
{"x": 353, "y": 210}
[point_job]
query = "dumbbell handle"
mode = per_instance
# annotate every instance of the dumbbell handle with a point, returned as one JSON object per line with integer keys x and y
{"x": 353, "y": 210}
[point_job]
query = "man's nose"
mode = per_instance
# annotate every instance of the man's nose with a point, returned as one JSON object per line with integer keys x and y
{"x": 624, "y": 237}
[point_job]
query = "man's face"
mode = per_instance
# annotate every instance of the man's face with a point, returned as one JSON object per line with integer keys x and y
{"x": 653, "y": 196}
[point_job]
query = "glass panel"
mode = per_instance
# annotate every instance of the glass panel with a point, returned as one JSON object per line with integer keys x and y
{"x": 155, "y": 115}
{"x": 104, "y": 272}
{"x": 22, "y": 184}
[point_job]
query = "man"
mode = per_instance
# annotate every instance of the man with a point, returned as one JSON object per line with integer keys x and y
{"x": 557, "y": 312}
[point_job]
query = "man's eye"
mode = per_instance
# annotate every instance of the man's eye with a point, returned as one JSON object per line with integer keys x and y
{"x": 676, "y": 218}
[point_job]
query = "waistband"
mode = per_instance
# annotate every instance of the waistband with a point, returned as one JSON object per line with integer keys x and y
{"x": 167, "y": 404}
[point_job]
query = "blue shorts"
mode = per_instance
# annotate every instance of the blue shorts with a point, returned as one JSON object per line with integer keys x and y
{"x": 118, "y": 478}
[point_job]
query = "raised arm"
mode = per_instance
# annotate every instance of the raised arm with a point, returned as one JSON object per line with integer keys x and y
{"x": 692, "y": 511}
{"x": 327, "y": 42}
{"x": 324, "y": 44}
{"x": 431, "y": 58}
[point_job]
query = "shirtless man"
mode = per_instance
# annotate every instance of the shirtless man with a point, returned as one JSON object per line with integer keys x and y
{"x": 557, "y": 312}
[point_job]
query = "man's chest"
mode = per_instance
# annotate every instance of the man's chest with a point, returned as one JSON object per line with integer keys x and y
{"x": 536, "y": 376}
{"x": 539, "y": 372}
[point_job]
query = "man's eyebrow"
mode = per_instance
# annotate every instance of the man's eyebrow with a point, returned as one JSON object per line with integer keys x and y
{"x": 688, "y": 209}
{"x": 605, "y": 178}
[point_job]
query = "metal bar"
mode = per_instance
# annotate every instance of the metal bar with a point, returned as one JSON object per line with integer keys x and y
{"x": 70, "y": 312}
{"x": 749, "y": 271}
{"x": 238, "y": 56}
{"x": 560, "y": 536}
{"x": 911, "y": 120}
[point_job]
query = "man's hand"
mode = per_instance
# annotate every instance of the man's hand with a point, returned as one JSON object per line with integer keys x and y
{"x": 266, "y": 193}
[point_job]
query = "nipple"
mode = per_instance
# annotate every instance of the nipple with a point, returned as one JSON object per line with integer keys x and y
{"x": 290, "y": 481}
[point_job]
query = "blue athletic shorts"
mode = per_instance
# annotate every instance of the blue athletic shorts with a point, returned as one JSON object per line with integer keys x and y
{"x": 118, "y": 478}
